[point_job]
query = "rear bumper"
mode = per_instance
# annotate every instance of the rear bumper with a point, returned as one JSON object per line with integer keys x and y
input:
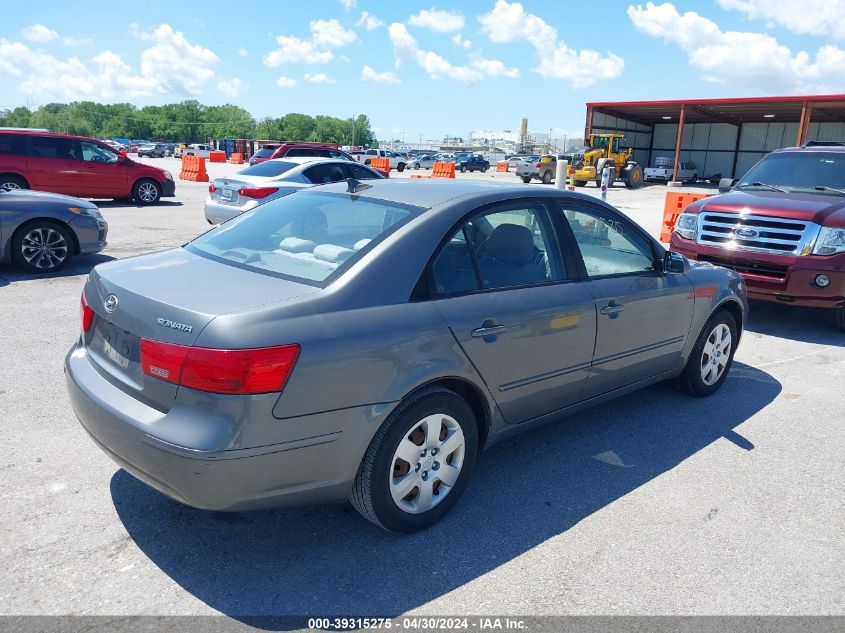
{"x": 217, "y": 212}
{"x": 317, "y": 468}
{"x": 787, "y": 279}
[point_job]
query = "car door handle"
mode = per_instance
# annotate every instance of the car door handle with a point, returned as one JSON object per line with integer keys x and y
{"x": 489, "y": 330}
{"x": 612, "y": 308}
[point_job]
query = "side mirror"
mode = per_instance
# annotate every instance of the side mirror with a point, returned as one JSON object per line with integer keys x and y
{"x": 726, "y": 184}
{"x": 675, "y": 263}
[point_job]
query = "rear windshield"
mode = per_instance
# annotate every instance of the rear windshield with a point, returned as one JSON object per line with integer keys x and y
{"x": 268, "y": 168}
{"x": 264, "y": 152}
{"x": 805, "y": 171}
{"x": 307, "y": 236}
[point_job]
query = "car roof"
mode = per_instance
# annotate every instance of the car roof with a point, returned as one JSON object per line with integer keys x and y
{"x": 429, "y": 193}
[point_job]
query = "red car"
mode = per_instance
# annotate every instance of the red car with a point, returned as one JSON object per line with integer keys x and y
{"x": 77, "y": 166}
{"x": 269, "y": 151}
{"x": 781, "y": 226}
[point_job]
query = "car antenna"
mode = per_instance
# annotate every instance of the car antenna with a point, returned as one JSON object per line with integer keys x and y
{"x": 356, "y": 186}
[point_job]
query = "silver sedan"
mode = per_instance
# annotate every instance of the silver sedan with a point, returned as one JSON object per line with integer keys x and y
{"x": 272, "y": 179}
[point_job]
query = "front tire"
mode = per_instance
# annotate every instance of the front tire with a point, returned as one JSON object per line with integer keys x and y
{"x": 712, "y": 356}
{"x": 146, "y": 192}
{"x": 42, "y": 246}
{"x": 463, "y": 169}
{"x": 416, "y": 165}
{"x": 400, "y": 167}
{"x": 526, "y": 179}
{"x": 547, "y": 178}
{"x": 419, "y": 462}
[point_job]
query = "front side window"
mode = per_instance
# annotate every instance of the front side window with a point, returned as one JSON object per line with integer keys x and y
{"x": 608, "y": 245}
{"x": 309, "y": 237}
{"x": 94, "y": 153}
{"x": 512, "y": 246}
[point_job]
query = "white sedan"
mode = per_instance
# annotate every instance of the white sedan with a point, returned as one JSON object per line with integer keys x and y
{"x": 272, "y": 179}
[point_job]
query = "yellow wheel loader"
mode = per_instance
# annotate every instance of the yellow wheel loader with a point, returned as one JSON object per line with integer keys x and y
{"x": 603, "y": 151}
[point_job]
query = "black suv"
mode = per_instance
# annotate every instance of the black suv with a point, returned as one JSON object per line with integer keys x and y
{"x": 472, "y": 162}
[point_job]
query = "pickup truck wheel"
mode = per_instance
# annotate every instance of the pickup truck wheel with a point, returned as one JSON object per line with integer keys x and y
{"x": 839, "y": 316}
{"x": 526, "y": 179}
{"x": 419, "y": 462}
{"x": 400, "y": 167}
{"x": 712, "y": 356}
{"x": 547, "y": 178}
{"x": 463, "y": 169}
{"x": 146, "y": 191}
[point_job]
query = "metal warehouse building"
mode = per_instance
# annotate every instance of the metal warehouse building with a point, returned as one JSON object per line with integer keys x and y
{"x": 722, "y": 136}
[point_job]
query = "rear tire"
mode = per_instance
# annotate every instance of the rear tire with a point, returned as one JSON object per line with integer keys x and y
{"x": 146, "y": 191}
{"x": 547, "y": 178}
{"x": 579, "y": 183}
{"x": 10, "y": 182}
{"x": 42, "y": 246}
{"x": 463, "y": 169}
{"x": 410, "y": 432}
{"x": 712, "y": 356}
{"x": 416, "y": 165}
{"x": 526, "y": 179}
{"x": 400, "y": 167}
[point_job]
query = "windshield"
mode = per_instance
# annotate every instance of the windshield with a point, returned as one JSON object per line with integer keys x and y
{"x": 308, "y": 236}
{"x": 798, "y": 171}
{"x": 268, "y": 168}
{"x": 264, "y": 152}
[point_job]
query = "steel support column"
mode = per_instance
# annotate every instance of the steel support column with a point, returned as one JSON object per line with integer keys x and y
{"x": 804, "y": 124}
{"x": 678, "y": 138}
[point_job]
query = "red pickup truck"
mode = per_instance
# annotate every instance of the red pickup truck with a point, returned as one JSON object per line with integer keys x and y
{"x": 782, "y": 226}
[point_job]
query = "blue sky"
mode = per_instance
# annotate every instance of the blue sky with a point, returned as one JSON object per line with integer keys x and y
{"x": 420, "y": 68}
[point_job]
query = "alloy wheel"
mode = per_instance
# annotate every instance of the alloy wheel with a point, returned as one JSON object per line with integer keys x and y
{"x": 147, "y": 192}
{"x": 44, "y": 248}
{"x": 9, "y": 185}
{"x": 427, "y": 463}
{"x": 716, "y": 353}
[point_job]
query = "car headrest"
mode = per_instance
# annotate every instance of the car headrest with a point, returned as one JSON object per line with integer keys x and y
{"x": 332, "y": 253}
{"x": 510, "y": 243}
{"x": 296, "y": 245}
{"x": 360, "y": 244}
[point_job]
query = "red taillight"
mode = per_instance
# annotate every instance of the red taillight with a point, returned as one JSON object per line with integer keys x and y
{"x": 231, "y": 371}
{"x": 86, "y": 313}
{"x": 212, "y": 188}
{"x": 257, "y": 192}
{"x": 539, "y": 165}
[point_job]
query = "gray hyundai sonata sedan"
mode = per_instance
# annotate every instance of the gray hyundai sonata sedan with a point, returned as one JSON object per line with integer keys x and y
{"x": 365, "y": 341}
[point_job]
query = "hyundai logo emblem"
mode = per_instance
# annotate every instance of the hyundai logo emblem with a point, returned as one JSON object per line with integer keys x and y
{"x": 110, "y": 304}
{"x": 743, "y": 231}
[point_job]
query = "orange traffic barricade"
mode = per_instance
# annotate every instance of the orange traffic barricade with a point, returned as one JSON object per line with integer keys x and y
{"x": 674, "y": 206}
{"x": 236, "y": 158}
{"x": 382, "y": 164}
{"x": 217, "y": 157}
{"x": 502, "y": 165}
{"x": 443, "y": 170}
{"x": 193, "y": 169}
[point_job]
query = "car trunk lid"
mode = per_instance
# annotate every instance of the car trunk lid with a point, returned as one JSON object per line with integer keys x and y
{"x": 169, "y": 297}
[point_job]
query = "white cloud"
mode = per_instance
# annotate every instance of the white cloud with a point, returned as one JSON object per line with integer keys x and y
{"x": 319, "y": 78}
{"x": 509, "y": 22}
{"x": 230, "y": 87}
{"x": 325, "y": 35}
{"x": 437, "y": 67}
{"x": 387, "y": 77}
{"x": 243, "y": 51}
{"x": 757, "y": 60}
{"x": 349, "y": 4}
{"x": 170, "y": 65}
{"x": 438, "y": 20}
{"x": 462, "y": 42}
{"x": 369, "y": 21}
{"x": 39, "y": 33}
{"x": 285, "y": 82}
{"x": 177, "y": 65}
{"x": 823, "y": 18}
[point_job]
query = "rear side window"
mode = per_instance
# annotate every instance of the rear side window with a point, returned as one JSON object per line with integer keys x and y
{"x": 268, "y": 168}
{"x": 12, "y": 144}
{"x": 309, "y": 237}
{"x": 307, "y": 151}
{"x": 362, "y": 173}
{"x": 323, "y": 173}
{"x": 264, "y": 152}
{"x": 335, "y": 154}
{"x": 54, "y": 147}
